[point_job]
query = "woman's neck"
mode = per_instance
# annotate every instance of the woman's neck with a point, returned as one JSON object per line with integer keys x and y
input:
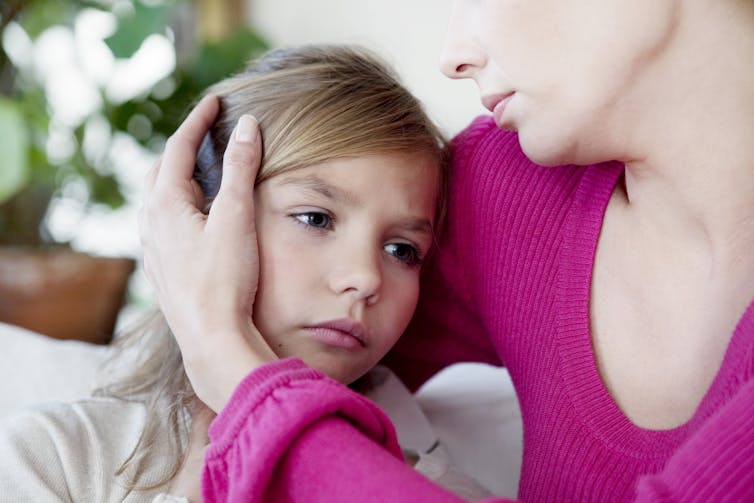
{"x": 690, "y": 167}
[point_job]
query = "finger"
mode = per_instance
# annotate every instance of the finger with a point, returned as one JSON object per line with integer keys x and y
{"x": 177, "y": 165}
{"x": 199, "y": 120}
{"x": 147, "y": 270}
{"x": 151, "y": 177}
{"x": 240, "y": 166}
{"x": 143, "y": 238}
{"x": 141, "y": 224}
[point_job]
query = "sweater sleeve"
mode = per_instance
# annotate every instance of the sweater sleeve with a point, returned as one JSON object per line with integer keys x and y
{"x": 289, "y": 433}
{"x": 30, "y": 467}
{"x": 716, "y": 463}
{"x": 447, "y": 327}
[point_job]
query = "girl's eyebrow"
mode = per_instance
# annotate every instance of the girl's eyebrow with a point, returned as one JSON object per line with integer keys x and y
{"x": 316, "y": 184}
{"x": 418, "y": 225}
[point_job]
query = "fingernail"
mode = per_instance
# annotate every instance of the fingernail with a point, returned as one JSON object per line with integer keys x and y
{"x": 246, "y": 129}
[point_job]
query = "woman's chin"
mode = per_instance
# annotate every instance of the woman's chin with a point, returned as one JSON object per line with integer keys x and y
{"x": 548, "y": 148}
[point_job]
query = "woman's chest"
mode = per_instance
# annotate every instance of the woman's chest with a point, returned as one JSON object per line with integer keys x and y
{"x": 659, "y": 336}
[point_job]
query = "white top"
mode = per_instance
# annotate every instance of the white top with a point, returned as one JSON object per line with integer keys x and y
{"x": 70, "y": 452}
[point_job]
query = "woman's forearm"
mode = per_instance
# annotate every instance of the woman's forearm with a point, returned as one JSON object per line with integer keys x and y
{"x": 290, "y": 433}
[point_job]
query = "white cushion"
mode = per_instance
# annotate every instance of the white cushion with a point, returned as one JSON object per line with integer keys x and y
{"x": 35, "y": 368}
{"x": 474, "y": 411}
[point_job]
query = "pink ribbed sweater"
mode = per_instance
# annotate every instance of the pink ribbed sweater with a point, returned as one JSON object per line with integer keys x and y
{"x": 509, "y": 285}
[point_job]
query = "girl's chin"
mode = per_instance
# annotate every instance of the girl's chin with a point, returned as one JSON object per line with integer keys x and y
{"x": 337, "y": 365}
{"x": 331, "y": 367}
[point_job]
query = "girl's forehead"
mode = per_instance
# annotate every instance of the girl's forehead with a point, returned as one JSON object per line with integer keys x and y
{"x": 403, "y": 180}
{"x": 351, "y": 168}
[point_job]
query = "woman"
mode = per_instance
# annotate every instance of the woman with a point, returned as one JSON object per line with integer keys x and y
{"x": 617, "y": 292}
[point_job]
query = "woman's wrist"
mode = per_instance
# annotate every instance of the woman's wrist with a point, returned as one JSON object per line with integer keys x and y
{"x": 231, "y": 353}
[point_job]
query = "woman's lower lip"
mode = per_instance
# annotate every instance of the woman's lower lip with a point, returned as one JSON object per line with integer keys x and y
{"x": 333, "y": 337}
{"x": 499, "y": 110}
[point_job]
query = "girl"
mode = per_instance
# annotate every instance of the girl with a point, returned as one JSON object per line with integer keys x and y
{"x": 617, "y": 292}
{"x": 347, "y": 202}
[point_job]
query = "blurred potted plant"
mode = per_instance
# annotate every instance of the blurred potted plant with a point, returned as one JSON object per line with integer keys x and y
{"x": 44, "y": 284}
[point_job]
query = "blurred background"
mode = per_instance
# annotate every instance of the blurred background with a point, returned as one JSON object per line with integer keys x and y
{"x": 90, "y": 90}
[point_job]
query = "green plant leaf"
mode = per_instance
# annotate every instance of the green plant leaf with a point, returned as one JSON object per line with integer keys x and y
{"x": 14, "y": 145}
{"x": 39, "y": 15}
{"x": 218, "y": 60}
{"x": 106, "y": 190}
{"x": 133, "y": 28}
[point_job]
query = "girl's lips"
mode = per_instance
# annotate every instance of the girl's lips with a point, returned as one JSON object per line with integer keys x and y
{"x": 333, "y": 337}
{"x": 344, "y": 333}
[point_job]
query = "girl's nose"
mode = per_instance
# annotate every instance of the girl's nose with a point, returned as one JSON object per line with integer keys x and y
{"x": 461, "y": 56}
{"x": 358, "y": 276}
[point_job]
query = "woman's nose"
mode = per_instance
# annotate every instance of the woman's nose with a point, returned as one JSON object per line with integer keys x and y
{"x": 359, "y": 277}
{"x": 461, "y": 55}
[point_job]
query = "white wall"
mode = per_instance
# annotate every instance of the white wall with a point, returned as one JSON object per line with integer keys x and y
{"x": 408, "y": 33}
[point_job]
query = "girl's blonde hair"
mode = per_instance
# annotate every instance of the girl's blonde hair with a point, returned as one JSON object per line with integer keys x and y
{"x": 313, "y": 104}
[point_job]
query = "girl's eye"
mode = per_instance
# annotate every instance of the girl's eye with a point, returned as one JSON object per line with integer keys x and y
{"x": 315, "y": 219}
{"x": 405, "y": 253}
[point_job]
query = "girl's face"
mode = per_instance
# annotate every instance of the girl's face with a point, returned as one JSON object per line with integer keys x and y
{"x": 563, "y": 73}
{"x": 340, "y": 247}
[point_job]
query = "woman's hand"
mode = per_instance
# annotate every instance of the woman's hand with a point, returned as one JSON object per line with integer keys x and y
{"x": 204, "y": 268}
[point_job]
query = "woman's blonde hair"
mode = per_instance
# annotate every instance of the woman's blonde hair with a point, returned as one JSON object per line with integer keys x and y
{"x": 313, "y": 104}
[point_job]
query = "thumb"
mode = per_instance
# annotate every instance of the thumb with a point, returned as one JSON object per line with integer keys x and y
{"x": 235, "y": 199}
